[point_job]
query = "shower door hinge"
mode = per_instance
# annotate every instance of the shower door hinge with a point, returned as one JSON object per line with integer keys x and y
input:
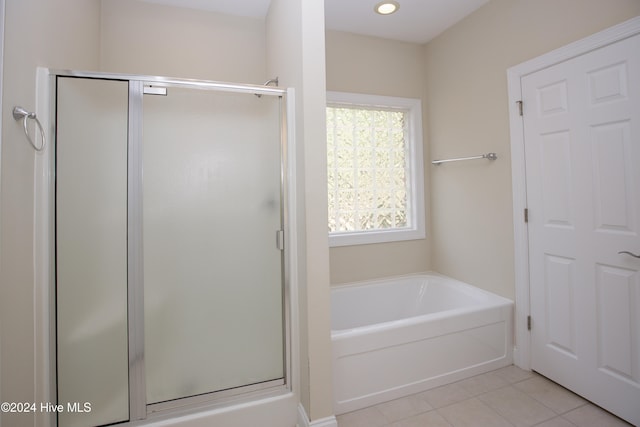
{"x": 519, "y": 107}
{"x": 526, "y": 215}
{"x": 280, "y": 239}
{"x": 528, "y": 323}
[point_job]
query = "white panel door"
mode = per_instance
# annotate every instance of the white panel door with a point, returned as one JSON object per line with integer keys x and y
{"x": 582, "y": 145}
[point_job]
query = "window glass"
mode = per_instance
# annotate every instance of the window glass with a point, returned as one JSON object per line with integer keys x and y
{"x": 374, "y": 165}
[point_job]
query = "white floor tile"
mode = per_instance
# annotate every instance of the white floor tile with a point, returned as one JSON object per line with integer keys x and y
{"x": 516, "y": 406}
{"x": 550, "y": 394}
{"x": 446, "y": 395}
{"x": 556, "y": 422}
{"x": 506, "y": 397}
{"x": 472, "y": 413}
{"x": 483, "y": 383}
{"x": 404, "y": 407}
{"x": 590, "y": 415}
{"x": 427, "y": 419}
{"x": 513, "y": 374}
{"x": 368, "y": 417}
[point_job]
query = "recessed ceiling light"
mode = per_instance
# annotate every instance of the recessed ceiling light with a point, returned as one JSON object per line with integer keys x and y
{"x": 387, "y": 7}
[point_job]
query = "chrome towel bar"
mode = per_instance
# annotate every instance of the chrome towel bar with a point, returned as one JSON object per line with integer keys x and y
{"x": 490, "y": 156}
{"x": 20, "y": 113}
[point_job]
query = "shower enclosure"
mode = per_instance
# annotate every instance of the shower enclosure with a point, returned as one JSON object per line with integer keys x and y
{"x": 170, "y": 266}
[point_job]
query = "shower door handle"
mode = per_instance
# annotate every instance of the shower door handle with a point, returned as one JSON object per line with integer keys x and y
{"x": 280, "y": 239}
{"x": 629, "y": 253}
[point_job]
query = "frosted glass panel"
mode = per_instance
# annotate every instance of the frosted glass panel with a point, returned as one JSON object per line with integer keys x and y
{"x": 212, "y": 271}
{"x": 91, "y": 250}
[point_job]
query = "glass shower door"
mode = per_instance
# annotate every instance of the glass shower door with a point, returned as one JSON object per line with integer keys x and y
{"x": 213, "y": 283}
{"x": 91, "y": 251}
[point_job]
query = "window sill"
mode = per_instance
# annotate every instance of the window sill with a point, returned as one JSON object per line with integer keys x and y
{"x": 378, "y": 236}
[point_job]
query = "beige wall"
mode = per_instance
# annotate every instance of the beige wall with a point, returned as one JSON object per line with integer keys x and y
{"x": 471, "y": 202}
{"x": 316, "y": 215}
{"x": 152, "y": 39}
{"x": 284, "y": 59}
{"x": 60, "y": 34}
{"x": 376, "y": 66}
{"x": 295, "y": 43}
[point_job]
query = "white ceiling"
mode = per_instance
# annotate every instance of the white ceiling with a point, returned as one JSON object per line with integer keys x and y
{"x": 416, "y": 21}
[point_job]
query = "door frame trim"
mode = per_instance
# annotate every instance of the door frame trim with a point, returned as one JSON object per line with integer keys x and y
{"x": 630, "y": 28}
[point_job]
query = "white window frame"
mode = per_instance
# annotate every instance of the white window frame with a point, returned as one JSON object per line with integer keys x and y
{"x": 416, "y": 230}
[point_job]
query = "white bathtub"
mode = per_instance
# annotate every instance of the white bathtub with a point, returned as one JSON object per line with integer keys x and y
{"x": 398, "y": 336}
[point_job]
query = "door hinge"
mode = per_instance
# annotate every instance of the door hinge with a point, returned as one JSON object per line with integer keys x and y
{"x": 519, "y": 107}
{"x": 280, "y": 239}
{"x": 526, "y": 215}
{"x": 528, "y": 323}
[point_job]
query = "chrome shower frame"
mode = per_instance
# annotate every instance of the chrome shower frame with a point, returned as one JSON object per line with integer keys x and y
{"x": 45, "y": 227}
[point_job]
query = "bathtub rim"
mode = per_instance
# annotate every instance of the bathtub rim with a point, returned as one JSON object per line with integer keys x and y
{"x": 495, "y": 302}
{"x": 336, "y": 287}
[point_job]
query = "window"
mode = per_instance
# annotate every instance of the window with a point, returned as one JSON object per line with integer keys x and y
{"x": 375, "y": 169}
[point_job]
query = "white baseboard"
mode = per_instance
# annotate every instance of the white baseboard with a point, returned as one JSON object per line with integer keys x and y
{"x": 303, "y": 419}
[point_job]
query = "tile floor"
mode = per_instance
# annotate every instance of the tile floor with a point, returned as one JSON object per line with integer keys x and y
{"x": 505, "y": 397}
